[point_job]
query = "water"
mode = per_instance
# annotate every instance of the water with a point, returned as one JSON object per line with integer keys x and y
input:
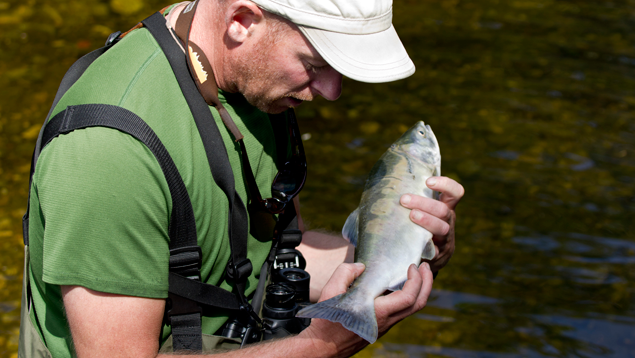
{"x": 532, "y": 103}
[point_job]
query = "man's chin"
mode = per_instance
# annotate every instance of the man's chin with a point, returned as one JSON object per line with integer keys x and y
{"x": 282, "y": 104}
{"x": 274, "y": 106}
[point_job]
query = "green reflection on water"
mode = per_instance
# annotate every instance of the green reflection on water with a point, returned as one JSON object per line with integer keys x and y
{"x": 532, "y": 103}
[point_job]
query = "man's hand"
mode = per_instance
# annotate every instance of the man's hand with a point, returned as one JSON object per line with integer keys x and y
{"x": 336, "y": 340}
{"x": 438, "y": 217}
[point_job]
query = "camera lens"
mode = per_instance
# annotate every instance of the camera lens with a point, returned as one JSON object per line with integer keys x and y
{"x": 293, "y": 276}
{"x": 298, "y": 279}
{"x": 280, "y": 295}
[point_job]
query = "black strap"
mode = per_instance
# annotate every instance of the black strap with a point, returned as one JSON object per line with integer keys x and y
{"x": 184, "y": 317}
{"x": 186, "y": 332}
{"x": 280, "y": 132}
{"x": 239, "y": 267}
{"x": 208, "y": 296}
{"x": 182, "y": 225}
{"x": 72, "y": 75}
{"x": 214, "y": 147}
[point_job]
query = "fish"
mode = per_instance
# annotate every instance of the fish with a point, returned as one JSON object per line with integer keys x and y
{"x": 386, "y": 241}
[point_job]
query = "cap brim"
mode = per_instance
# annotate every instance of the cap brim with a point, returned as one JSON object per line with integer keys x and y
{"x": 374, "y": 58}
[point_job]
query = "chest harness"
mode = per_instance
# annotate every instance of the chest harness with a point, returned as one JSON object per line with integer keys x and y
{"x": 189, "y": 298}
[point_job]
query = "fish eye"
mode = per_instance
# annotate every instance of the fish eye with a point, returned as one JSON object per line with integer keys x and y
{"x": 422, "y": 133}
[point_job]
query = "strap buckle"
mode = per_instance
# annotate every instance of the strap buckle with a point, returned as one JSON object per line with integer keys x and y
{"x": 25, "y": 228}
{"x": 290, "y": 238}
{"x": 113, "y": 38}
{"x": 186, "y": 261}
{"x": 241, "y": 271}
{"x": 177, "y": 305}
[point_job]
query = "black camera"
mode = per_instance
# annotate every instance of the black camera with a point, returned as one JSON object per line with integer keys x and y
{"x": 234, "y": 328}
{"x": 287, "y": 293}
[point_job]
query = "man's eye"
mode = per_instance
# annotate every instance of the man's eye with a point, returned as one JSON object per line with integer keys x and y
{"x": 313, "y": 68}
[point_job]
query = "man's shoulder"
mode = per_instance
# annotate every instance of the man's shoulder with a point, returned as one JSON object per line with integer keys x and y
{"x": 134, "y": 66}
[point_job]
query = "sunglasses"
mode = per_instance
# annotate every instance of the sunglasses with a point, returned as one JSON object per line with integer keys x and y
{"x": 290, "y": 178}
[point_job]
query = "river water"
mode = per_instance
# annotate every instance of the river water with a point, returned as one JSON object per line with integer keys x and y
{"x": 532, "y": 102}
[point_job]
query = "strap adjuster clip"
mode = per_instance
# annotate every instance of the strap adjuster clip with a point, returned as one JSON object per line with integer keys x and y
{"x": 241, "y": 271}
{"x": 290, "y": 238}
{"x": 113, "y": 38}
{"x": 186, "y": 261}
{"x": 177, "y": 305}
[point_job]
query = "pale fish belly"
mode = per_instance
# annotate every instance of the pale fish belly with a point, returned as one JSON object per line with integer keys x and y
{"x": 391, "y": 241}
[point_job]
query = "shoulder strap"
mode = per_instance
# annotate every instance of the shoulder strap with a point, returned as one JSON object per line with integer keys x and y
{"x": 72, "y": 75}
{"x": 184, "y": 279}
{"x": 239, "y": 268}
{"x": 182, "y": 225}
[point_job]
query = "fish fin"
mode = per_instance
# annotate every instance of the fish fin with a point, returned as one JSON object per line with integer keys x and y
{"x": 428, "y": 251}
{"x": 357, "y": 318}
{"x": 350, "y": 229}
{"x": 437, "y": 170}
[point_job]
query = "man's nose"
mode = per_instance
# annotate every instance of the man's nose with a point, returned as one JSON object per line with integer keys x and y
{"x": 328, "y": 83}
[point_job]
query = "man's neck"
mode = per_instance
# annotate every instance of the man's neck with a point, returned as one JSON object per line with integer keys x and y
{"x": 206, "y": 32}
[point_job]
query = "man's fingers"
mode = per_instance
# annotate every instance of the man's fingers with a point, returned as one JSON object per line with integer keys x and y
{"x": 412, "y": 298}
{"x": 430, "y": 206}
{"x": 420, "y": 282}
{"x": 402, "y": 300}
{"x": 437, "y": 226}
{"x": 451, "y": 191}
{"x": 343, "y": 276}
{"x": 426, "y": 287}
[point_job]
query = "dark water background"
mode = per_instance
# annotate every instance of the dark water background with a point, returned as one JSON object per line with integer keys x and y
{"x": 532, "y": 102}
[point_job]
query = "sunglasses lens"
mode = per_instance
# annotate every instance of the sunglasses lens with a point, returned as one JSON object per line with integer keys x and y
{"x": 284, "y": 184}
{"x": 274, "y": 205}
{"x": 289, "y": 180}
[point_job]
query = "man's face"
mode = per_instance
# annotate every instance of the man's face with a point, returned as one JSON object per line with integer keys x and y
{"x": 283, "y": 70}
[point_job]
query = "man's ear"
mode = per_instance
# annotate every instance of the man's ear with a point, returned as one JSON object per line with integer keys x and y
{"x": 241, "y": 19}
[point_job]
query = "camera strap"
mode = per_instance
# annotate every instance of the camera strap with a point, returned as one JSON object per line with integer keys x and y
{"x": 239, "y": 267}
{"x": 188, "y": 292}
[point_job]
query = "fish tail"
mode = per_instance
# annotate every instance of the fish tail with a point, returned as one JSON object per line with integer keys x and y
{"x": 357, "y": 318}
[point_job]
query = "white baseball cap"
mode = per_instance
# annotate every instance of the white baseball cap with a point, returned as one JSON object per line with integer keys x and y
{"x": 355, "y": 37}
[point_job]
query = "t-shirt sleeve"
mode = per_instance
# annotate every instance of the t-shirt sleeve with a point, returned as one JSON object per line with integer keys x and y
{"x": 106, "y": 206}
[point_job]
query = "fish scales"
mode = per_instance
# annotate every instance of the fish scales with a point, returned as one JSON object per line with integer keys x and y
{"x": 387, "y": 241}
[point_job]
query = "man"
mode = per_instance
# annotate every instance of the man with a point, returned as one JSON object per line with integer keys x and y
{"x": 100, "y": 207}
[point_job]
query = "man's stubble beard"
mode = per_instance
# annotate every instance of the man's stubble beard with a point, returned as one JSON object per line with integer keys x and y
{"x": 255, "y": 79}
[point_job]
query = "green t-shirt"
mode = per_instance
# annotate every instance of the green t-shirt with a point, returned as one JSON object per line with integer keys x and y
{"x": 100, "y": 204}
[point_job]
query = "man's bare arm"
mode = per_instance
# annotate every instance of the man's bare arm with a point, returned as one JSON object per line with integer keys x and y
{"x": 323, "y": 252}
{"x": 104, "y": 324}
{"x": 107, "y": 325}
